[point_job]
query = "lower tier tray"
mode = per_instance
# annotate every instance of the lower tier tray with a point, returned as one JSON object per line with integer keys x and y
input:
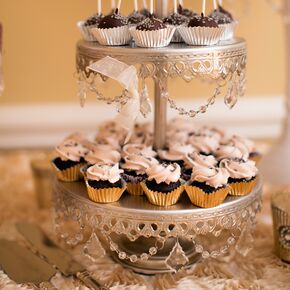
{"x": 150, "y": 239}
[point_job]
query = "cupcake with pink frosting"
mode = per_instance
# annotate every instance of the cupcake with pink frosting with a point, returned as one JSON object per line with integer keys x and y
{"x": 243, "y": 175}
{"x": 142, "y": 149}
{"x": 197, "y": 159}
{"x": 205, "y": 144}
{"x": 135, "y": 166}
{"x": 70, "y": 158}
{"x": 163, "y": 186}
{"x": 104, "y": 183}
{"x": 208, "y": 186}
{"x": 230, "y": 151}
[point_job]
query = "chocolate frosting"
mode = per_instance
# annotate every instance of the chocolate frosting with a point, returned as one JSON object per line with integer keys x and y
{"x": 113, "y": 20}
{"x": 93, "y": 20}
{"x": 151, "y": 24}
{"x": 202, "y": 21}
{"x": 175, "y": 19}
{"x": 135, "y": 18}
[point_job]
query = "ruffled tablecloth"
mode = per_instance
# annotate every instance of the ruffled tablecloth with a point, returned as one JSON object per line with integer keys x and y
{"x": 261, "y": 269}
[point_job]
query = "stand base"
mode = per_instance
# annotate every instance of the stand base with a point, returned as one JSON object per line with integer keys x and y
{"x": 155, "y": 264}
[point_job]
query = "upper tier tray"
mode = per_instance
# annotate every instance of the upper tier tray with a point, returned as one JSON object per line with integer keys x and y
{"x": 175, "y": 59}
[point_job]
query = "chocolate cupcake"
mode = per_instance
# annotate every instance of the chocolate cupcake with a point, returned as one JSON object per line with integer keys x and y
{"x": 163, "y": 186}
{"x": 176, "y": 153}
{"x": 226, "y": 21}
{"x": 208, "y": 186}
{"x": 113, "y": 30}
{"x": 243, "y": 175}
{"x": 186, "y": 12}
{"x": 86, "y": 26}
{"x": 135, "y": 18}
{"x": 230, "y": 151}
{"x": 69, "y": 160}
{"x": 201, "y": 30}
{"x": 135, "y": 167}
{"x": 176, "y": 19}
{"x": 152, "y": 32}
{"x": 104, "y": 183}
{"x": 196, "y": 159}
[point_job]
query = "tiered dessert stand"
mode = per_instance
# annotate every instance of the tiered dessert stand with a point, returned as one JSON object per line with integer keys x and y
{"x": 143, "y": 237}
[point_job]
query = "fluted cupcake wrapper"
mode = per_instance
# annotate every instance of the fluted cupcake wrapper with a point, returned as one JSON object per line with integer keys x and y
{"x": 202, "y": 199}
{"x": 229, "y": 30}
{"x": 105, "y": 195}
{"x": 135, "y": 188}
{"x": 70, "y": 174}
{"x": 177, "y": 38}
{"x": 86, "y": 31}
{"x": 112, "y": 36}
{"x": 256, "y": 158}
{"x": 201, "y": 35}
{"x": 242, "y": 188}
{"x": 162, "y": 199}
{"x": 155, "y": 38}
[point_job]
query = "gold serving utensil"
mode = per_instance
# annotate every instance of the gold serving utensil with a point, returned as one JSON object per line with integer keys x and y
{"x": 24, "y": 267}
{"x": 56, "y": 256}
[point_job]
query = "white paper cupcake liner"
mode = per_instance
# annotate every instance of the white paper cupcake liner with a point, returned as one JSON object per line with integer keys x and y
{"x": 201, "y": 35}
{"x": 229, "y": 31}
{"x": 86, "y": 31}
{"x": 177, "y": 37}
{"x": 112, "y": 36}
{"x": 156, "y": 38}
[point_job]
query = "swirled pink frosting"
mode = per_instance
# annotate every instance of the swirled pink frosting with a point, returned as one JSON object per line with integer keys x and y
{"x": 215, "y": 132}
{"x": 232, "y": 152}
{"x": 173, "y": 137}
{"x": 142, "y": 149}
{"x": 212, "y": 176}
{"x": 71, "y": 149}
{"x": 204, "y": 143}
{"x": 110, "y": 173}
{"x": 176, "y": 152}
{"x": 109, "y": 140}
{"x": 196, "y": 159}
{"x": 241, "y": 142}
{"x": 164, "y": 173}
{"x": 102, "y": 154}
{"x": 138, "y": 163}
{"x": 240, "y": 169}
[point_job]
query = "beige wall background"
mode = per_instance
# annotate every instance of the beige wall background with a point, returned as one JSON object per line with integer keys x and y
{"x": 40, "y": 37}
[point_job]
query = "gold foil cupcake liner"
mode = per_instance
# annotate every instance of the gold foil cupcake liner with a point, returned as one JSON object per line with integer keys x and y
{"x": 201, "y": 35}
{"x": 163, "y": 199}
{"x": 155, "y": 38}
{"x": 112, "y": 36}
{"x": 135, "y": 188}
{"x": 242, "y": 188}
{"x": 202, "y": 199}
{"x": 256, "y": 158}
{"x": 86, "y": 31}
{"x": 104, "y": 195}
{"x": 70, "y": 174}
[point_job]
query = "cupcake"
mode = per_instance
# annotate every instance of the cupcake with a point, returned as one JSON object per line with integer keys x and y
{"x": 152, "y": 32}
{"x": 176, "y": 153}
{"x": 196, "y": 159}
{"x": 104, "y": 183}
{"x": 201, "y": 30}
{"x": 86, "y": 26}
{"x": 135, "y": 166}
{"x": 113, "y": 30}
{"x": 176, "y": 136}
{"x": 230, "y": 151}
{"x": 204, "y": 144}
{"x": 69, "y": 160}
{"x": 176, "y": 19}
{"x": 243, "y": 175}
{"x": 163, "y": 185}
{"x": 141, "y": 149}
{"x": 208, "y": 186}
{"x": 185, "y": 12}
{"x": 102, "y": 154}
{"x": 226, "y": 21}
{"x": 241, "y": 143}
{"x": 135, "y": 18}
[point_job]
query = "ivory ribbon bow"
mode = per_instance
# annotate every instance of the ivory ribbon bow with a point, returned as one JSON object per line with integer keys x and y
{"x": 127, "y": 77}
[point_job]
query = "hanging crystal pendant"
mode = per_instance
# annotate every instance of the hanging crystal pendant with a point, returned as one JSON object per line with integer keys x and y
{"x": 231, "y": 97}
{"x": 246, "y": 240}
{"x": 145, "y": 104}
{"x": 93, "y": 248}
{"x": 84, "y": 88}
{"x": 177, "y": 258}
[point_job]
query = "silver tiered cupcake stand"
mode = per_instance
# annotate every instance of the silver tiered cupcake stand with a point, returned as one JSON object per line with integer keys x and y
{"x": 141, "y": 236}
